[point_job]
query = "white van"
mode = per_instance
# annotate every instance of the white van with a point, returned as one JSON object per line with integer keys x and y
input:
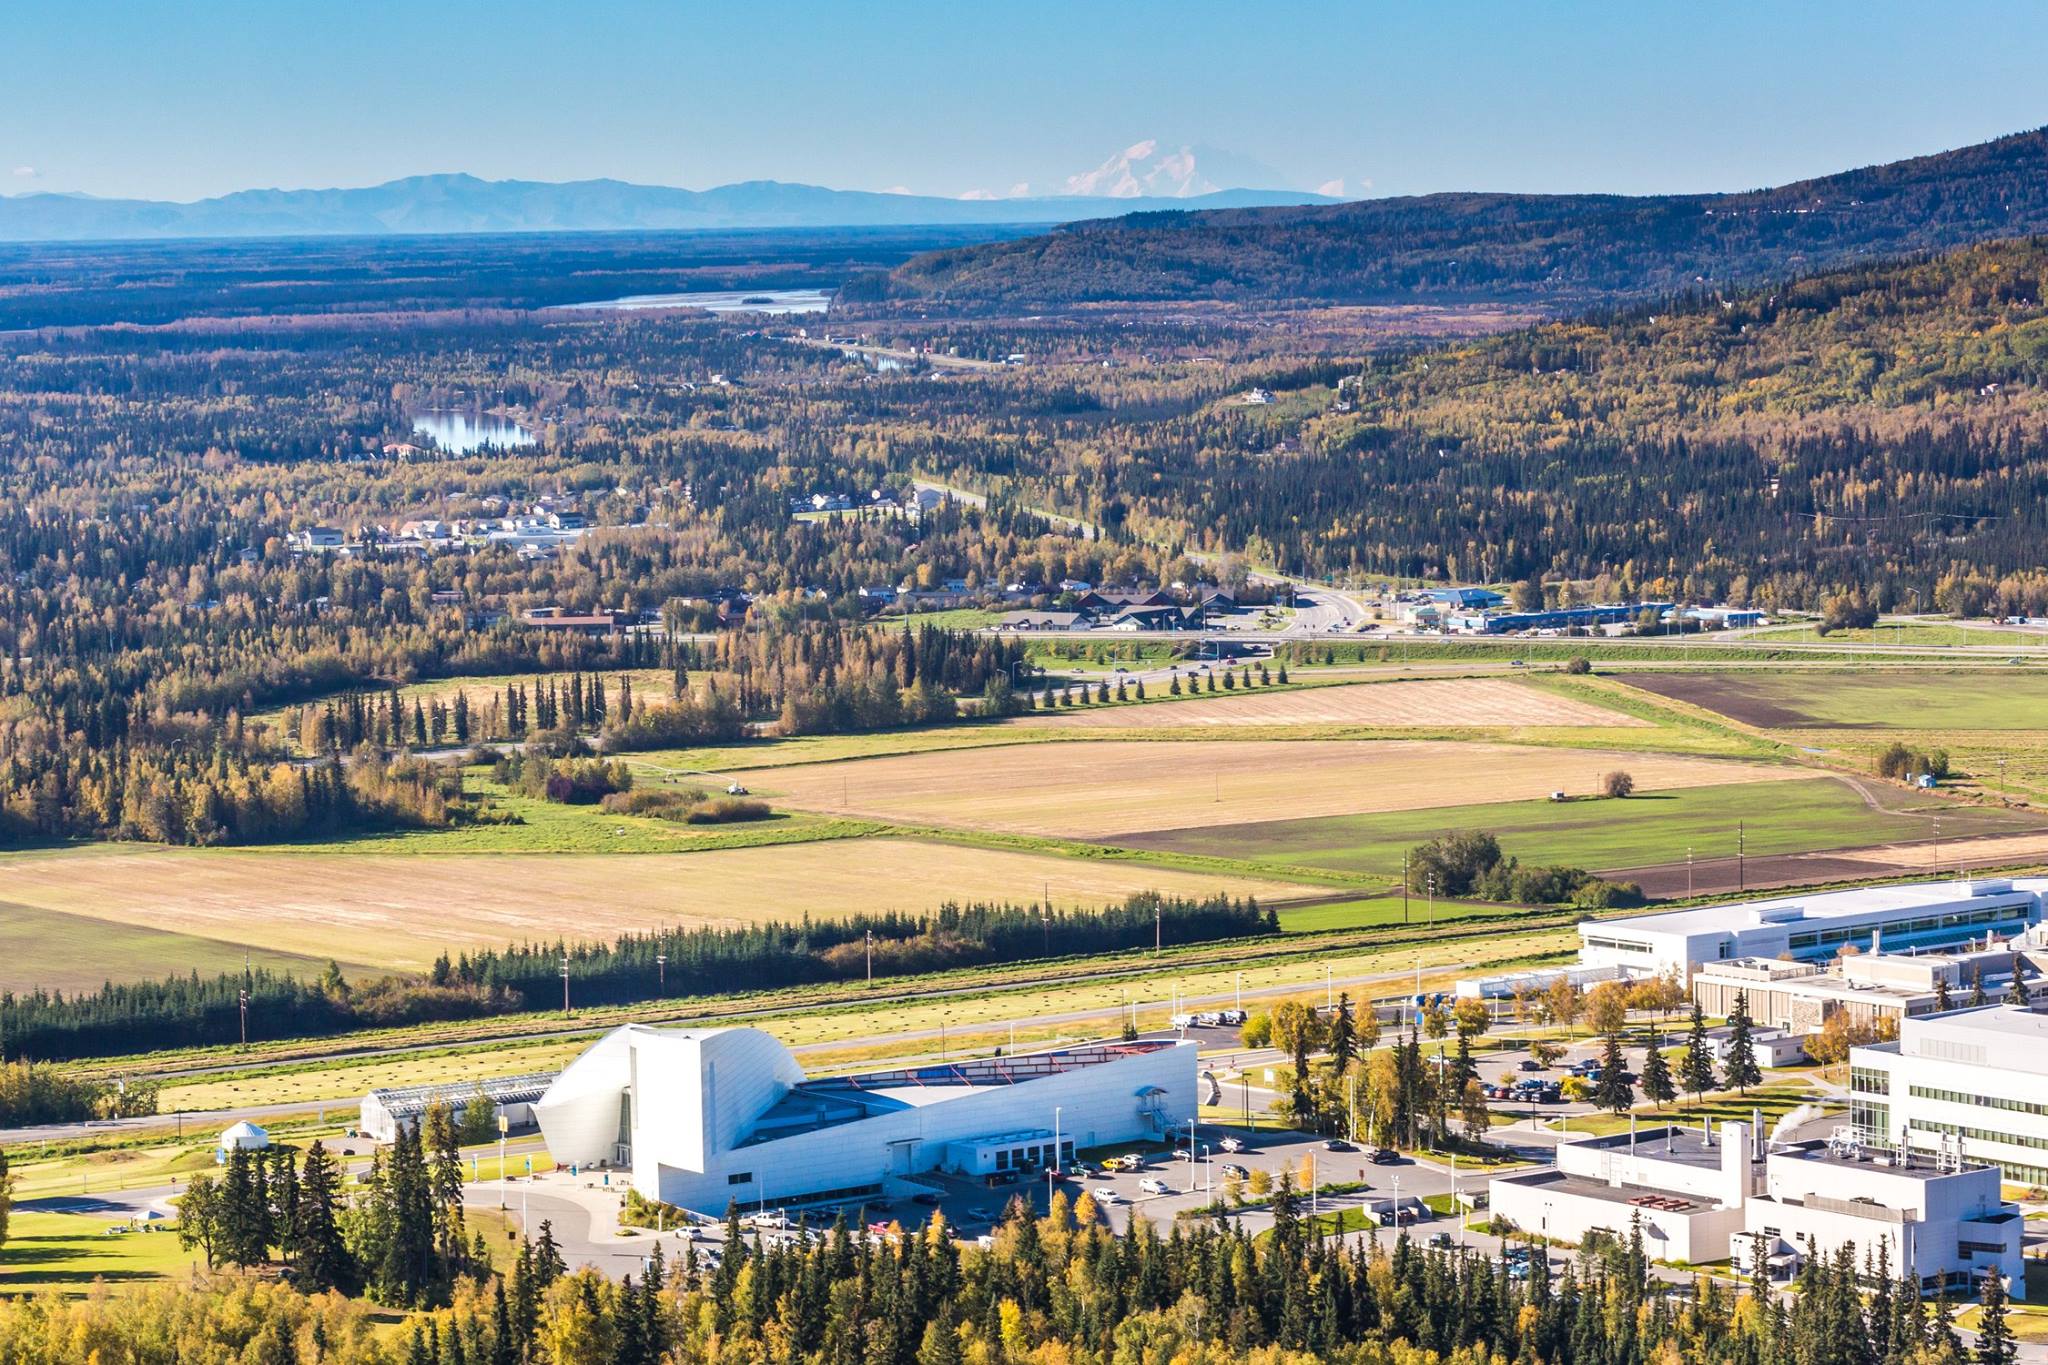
{"x": 1103, "y": 1194}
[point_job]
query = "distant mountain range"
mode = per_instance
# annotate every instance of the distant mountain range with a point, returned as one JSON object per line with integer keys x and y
{"x": 450, "y": 204}
{"x": 1557, "y": 250}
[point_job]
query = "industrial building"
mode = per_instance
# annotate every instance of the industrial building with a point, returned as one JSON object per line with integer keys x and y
{"x": 1557, "y": 618}
{"x": 385, "y": 1111}
{"x": 1971, "y": 1083}
{"x": 1814, "y": 926}
{"x": 1700, "y": 1199}
{"x": 705, "y": 1118}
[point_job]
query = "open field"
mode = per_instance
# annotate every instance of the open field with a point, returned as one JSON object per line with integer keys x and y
{"x": 1477, "y": 702}
{"x": 481, "y": 690}
{"x": 845, "y": 1035}
{"x": 60, "y": 952}
{"x": 1966, "y": 699}
{"x": 1657, "y": 827}
{"x": 68, "y": 1251}
{"x": 402, "y": 910}
{"x": 1107, "y": 789}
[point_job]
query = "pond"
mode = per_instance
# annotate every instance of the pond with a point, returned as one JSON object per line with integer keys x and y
{"x": 463, "y": 433}
{"x": 776, "y": 302}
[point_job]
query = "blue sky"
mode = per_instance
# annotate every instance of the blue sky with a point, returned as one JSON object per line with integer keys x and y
{"x": 189, "y": 98}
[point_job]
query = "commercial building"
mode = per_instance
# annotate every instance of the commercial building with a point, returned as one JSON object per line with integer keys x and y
{"x": 1700, "y": 1200}
{"x": 704, "y": 1118}
{"x": 1972, "y": 1083}
{"x": 1814, "y": 926}
{"x": 1557, "y": 618}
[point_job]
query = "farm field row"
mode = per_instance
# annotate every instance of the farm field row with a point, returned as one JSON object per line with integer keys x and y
{"x": 1811, "y": 813}
{"x": 1432, "y": 704}
{"x": 401, "y": 910}
{"x": 1975, "y": 699}
{"x": 1108, "y": 790}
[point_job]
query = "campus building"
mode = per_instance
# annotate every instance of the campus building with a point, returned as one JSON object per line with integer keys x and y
{"x": 704, "y": 1118}
{"x": 1814, "y": 926}
{"x": 1699, "y": 1198}
{"x": 1971, "y": 1083}
{"x": 1875, "y": 990}
{"x": 384, "y": 1112}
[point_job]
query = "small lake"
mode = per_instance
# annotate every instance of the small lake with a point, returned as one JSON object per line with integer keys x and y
{"x": 463, "y": 433}
{"x": 775, "y": 302}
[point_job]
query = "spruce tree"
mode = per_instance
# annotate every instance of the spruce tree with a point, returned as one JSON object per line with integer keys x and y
{"x": 1995, "y": 1343}
{"x": 1657, "y": 1084}
{"x": 1343, "y": 1035}
{"x": 1741, "y": 1067}
{"x": 2021, "y": 996}
{"x": 1977, "y": 996}
{"x": 1696, "y": 1070}
{"x": 1613, "y": 1091}
{"x": 322, "y": 1259}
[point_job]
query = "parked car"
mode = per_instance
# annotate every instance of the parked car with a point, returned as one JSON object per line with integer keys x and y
{"x": 1531, "y": 1064}
{"x": 1131, "y": 1161}
{"x": 1103, "y": 1194}
{"x": 1385, "y": 1156}
{"x": 1236, "y": 1173}
{"x": 1230, "y": 1144}
{"x": 1440, "y": 1239}
{"x": 1337, "y": 1145}
{"x": 1152, "y": 1184}
{"x": 735, "y": 789}
{"x": 930, "y": 1199}
{"x": 996, "y": 1178}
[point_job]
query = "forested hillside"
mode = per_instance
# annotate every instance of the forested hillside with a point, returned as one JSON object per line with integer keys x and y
{"x": 1878, "y": 429}
{"x": 1565, "y": 250}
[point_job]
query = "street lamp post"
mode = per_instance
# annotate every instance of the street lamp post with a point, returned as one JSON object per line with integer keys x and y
{"x": 565, "y": 983}
{"x": 661, "y": 972}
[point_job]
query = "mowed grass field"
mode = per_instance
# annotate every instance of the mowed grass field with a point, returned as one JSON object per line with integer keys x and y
{"x": 1807, "y": 815}
{"x": 54, "y": 951}
{"x": 1107, "y": 789}
{"x": 1433, "y": 704}
{"x": 1999, "y": 698}
{"x": 67, "y": 1252}
{"x": 402, "y": 910}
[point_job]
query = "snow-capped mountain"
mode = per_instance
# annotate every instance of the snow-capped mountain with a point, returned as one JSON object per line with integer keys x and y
{"x": 1153, "y": 170}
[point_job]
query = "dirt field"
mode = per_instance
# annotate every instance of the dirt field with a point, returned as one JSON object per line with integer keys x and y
{"x": 401, "y": 910}
{"x": 1475, "y": 702}
{"x": 1101, "y": 789}
{"x": 1864, "y": 699}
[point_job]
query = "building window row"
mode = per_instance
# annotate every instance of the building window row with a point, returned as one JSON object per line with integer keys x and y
{"x": 1989, "y": 1135}
{"x": 1617, "y": 944}
{"x": 1928, "y": 1092}
{"x": 1871, "y": 1080}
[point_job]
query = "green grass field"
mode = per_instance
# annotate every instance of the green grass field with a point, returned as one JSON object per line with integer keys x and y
{"x": 1377, "y": 910}
{"x": 1933, "y": 634}
{"x": 56, "y": 951}
{"x": 1779, "y": 817}
{"x": 67, "y": 1252}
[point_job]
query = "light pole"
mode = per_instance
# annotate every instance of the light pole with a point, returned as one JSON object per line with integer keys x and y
{"x": 1052, "y": 1171}
{"x": 565, "y": 983}
{"x": 1688, "y": 871}
{"x": 1240, "y": 992}
{"x": 503, "y": 1124}
{"x": 661, "y": 972}
{"x": 871, "y": 957}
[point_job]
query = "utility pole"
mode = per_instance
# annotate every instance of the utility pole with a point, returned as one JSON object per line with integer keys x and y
{"x": 1158, "y": 925}
{"x": 242, "y": 1003}
{"x": 565, "y": 983}
{"x": 1688, "y": 871}
{"x": 1240, "y": 992}
{"x": 871, "y": 957}
{"x": 1432, "y": 900}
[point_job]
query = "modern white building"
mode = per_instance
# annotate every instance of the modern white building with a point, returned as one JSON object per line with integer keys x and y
{"x": 1701, "y": 1199}
{"x": 1873, "y": 989}
{"x": 384, "y": 1112}
{"x": 704, "y": 1118}
{"x": 1971, "y": 1083}
{"x": 1813, "y": 926}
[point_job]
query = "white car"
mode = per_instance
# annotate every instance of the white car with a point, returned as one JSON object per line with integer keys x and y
{"x": 1152, "y": 1185}
{"x": 1231, "y": 1145}
{"x": 1103, "y": 1194}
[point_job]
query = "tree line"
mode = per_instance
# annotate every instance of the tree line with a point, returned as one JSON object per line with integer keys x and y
{"x": 190, "y": 1011}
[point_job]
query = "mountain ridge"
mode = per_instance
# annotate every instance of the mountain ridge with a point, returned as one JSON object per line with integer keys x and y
{"x": 1569, "y": 250}
{"x": 453, "y": 203}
